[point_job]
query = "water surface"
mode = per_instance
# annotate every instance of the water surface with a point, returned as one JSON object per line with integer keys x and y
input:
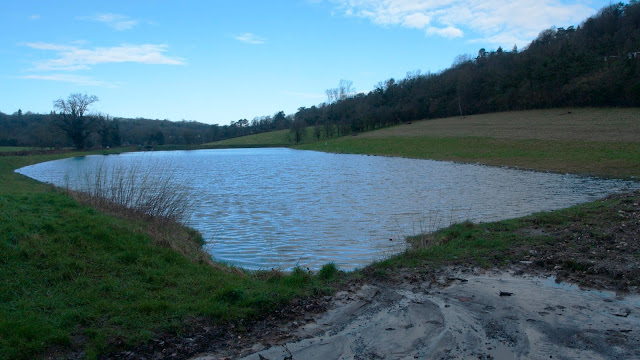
{"x": 278, "y": 208}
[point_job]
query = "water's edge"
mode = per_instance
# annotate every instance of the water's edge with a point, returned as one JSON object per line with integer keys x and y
{"x": 278, "y": 208}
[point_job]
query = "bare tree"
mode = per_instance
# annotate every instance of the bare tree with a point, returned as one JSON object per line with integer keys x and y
{"x": 332, "y": 95}
{"x": 73, "y": 118}
{"x": 344, "y": 89}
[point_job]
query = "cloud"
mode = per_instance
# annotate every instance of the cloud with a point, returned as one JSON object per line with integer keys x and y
{"x": 448, "y": 32}
{"x": 70, "y": 78}
{"x": 416, "y": 20}
{"x": 72, "y": 57}
{"x": 250, "y": 38}
{"x": 115, "y": 21}
{"x": 488, "y": 20}
{"x": 34, "y": 17}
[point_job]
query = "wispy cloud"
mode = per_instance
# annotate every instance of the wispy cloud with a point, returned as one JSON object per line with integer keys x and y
{"x": 492, "y": 21}
{"x": 250, "y": 38}
{"x": 70, "y": 78}
{"x": 115, "y": 21}
{"x": 73, "y": 57}
{"x": 34, "y": 17}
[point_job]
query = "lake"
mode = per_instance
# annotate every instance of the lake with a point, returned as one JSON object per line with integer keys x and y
{"x": 281, "y": 208}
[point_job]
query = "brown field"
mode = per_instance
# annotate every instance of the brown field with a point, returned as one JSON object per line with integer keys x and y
{"x": 581, "y": 124}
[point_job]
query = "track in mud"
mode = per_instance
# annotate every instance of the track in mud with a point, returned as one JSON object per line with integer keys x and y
{"x": 497, "y": 316}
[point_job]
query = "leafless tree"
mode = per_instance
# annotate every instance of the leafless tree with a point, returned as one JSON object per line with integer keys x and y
{"x": 343, "y": 91}
{"x": 73, "y": 118}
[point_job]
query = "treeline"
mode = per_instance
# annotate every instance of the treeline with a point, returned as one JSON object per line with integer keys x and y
{"x": 594, "y": 64}
{"x": 44, "y": 130}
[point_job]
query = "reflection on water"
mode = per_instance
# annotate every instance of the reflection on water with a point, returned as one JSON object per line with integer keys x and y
{"x": 278, "y": 208}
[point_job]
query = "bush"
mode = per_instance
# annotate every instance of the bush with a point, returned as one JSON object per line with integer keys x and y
{"x": 328, "y": 271}
{"x": 141, "y": 190}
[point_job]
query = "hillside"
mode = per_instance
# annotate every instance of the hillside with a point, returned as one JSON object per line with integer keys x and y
{"x": 574, "y": 124}
{"x": 596, "y": 63}
{"x": 601, "y": 142}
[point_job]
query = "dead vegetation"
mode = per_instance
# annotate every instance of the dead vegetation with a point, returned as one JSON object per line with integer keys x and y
{"x": 154, "y": 203}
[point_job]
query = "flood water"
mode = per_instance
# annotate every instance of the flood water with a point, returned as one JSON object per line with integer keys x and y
{"x": 278, "y": 208}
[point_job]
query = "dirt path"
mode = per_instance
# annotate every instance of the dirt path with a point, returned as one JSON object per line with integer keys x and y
{"x": 476, "y": 316}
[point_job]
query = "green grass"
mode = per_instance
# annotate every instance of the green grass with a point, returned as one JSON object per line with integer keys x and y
{"x": 273, "y": 138}
{"x": 70, "y": 272}
{"x": 278, "y": 138}
{"x": 15, "y": 148}
{"x": 503, "y": 242}
{"x": 609, "y": 159}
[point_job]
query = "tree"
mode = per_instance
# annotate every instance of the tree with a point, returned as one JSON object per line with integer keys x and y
{"x": 280, "y": 120}
{"x": 342, "y": 92}
{"x": 298, "y": 129}
{"x": 345, "y": 89}
{"x": 160, "y": 137}
{"x": 73, "y": 119}
{"x": 317, "y": 132}
{"x": 109, "y": 131}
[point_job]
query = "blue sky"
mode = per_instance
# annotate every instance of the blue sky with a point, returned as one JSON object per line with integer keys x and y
{"x": 221, "y": 61}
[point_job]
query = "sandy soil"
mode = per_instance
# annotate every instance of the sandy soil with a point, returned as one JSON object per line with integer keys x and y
{"x": 461, "y": 315}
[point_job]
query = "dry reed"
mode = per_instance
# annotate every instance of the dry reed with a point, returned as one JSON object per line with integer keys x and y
{"x": 148, "y": 195}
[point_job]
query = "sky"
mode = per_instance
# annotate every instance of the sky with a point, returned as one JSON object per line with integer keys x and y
{"x": 220, "y": 61}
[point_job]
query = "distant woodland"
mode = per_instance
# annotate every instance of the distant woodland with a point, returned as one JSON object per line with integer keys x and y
{"x": 596, "y": 63}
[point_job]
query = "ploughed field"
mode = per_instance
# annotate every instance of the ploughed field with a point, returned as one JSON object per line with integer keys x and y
{"x": 571, "y": 124}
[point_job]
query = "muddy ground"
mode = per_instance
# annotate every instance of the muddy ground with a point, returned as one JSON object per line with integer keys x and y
{"x": 476, "y": 316}
{"x": 531, "y": 308}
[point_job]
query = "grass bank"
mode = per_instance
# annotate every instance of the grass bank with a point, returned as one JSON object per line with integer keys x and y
{"x": 593, "y": 244}
{"x": 600, "y": 142}
{"x": 75, "y": 280}
{"x": 278, "y": 138}
{"x": 269, "y": 139}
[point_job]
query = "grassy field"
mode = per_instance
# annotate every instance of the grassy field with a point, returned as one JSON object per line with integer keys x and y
{"x": 75, "y": 279}
{"x": 279, "y": 138}
{"x": 601, "y": 142}
{"x": 273, "y": 138}
{"x": 582, "y": 124}
{"x": 14, "y": 148}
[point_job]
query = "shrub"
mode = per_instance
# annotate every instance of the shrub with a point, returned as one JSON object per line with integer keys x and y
{"x": 142, "y": 190}
{"x": 328, "y": 271}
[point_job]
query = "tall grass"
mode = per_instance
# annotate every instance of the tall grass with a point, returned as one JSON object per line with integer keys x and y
{"x": 147, "y": 192}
